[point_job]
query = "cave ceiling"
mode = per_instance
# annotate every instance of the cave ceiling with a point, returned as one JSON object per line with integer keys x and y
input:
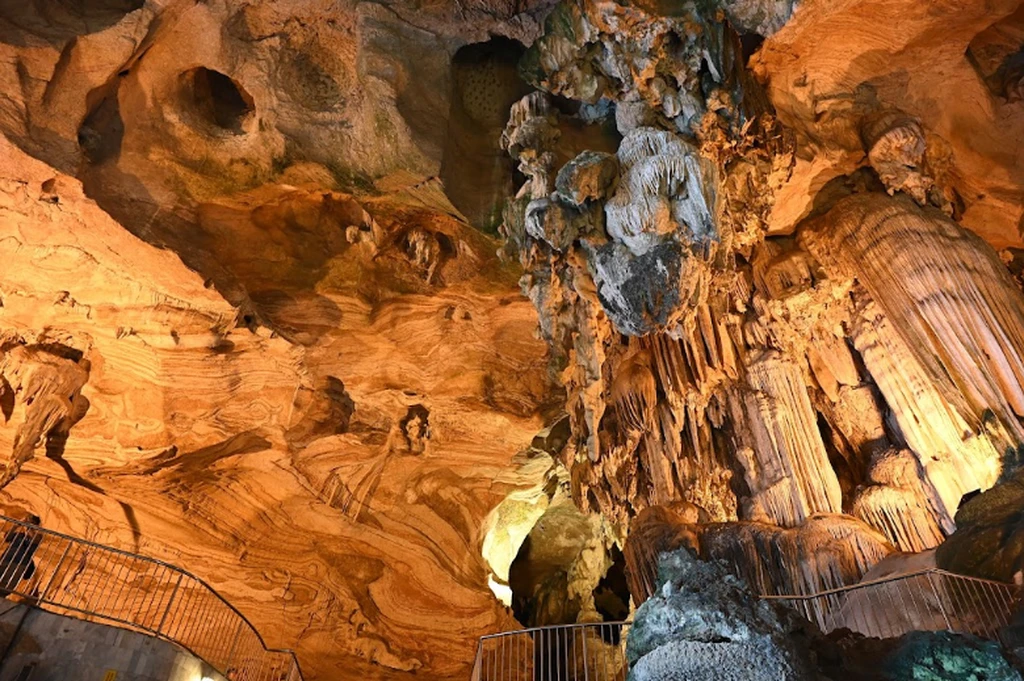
{"x": 334, "y": 303}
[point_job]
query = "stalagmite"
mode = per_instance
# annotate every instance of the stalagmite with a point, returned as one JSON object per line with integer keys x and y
{"x": 899, "y": 503}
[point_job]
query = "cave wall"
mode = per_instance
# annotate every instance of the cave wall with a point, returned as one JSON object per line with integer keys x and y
{"x": 255, "y": 320}
{"x": 215, "y": 354}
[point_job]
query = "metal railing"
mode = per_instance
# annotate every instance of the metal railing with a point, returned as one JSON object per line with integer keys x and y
{"x": 593, "y": 651}
{"x": 926, "y": 600}
{"x": 82, "y": 579}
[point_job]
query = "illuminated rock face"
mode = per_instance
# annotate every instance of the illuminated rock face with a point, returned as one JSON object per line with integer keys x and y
{"x": 862, "y": 356}
{"x": 296, "y": 478}
{"x": 252, "y": 319}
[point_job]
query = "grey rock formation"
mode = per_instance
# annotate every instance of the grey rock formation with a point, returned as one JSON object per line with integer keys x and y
{"x": 703, "y": 624}
{"x": 638, "y": 293}
{"x": 724, "y": 661}
{"x": 763, "y": 17}
{"x": 989, "y": 540}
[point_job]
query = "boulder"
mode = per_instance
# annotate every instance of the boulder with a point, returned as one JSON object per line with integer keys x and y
{"x": 703, "y": 623}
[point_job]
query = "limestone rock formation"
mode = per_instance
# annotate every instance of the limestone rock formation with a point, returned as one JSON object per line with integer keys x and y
{"x": 312, "y": 480}
{"x": 823, "y": 89}
{"x": 868, "y": 366}
{"x": 703, "y": 624}
{"x": 824, "y": 553}
{"x": 259, "y": 311}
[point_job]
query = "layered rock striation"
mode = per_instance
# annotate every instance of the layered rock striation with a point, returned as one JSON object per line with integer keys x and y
{"x": 259, "y": 315}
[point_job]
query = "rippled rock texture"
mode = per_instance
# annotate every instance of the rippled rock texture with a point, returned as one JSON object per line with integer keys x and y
{"x": 221, "y": 344}
{"x": 373, "y": 314}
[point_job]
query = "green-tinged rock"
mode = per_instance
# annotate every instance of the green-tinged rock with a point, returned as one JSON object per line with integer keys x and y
{"x": 943, "y": 656}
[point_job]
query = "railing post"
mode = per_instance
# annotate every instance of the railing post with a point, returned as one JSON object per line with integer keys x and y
{"x": 586, "y": 662}
{"x": 477, "y": 666}
{"x": 60, "y": 564}
{"x": 938, "y": 599}
{"x": 170, "y": 603}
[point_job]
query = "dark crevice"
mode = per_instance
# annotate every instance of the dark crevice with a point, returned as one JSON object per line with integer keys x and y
{"x": 100, "y": 134}
{"x": 218, "y": 100}
{"x": 477, "y": 174}
{"x": 750, "y": 43}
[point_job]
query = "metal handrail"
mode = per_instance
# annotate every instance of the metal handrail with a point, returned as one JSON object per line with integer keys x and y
{"x": 879, "y": 580}
{"x": 87, "y": 580}
{"x": 924, "y": 600}
{"x": 588, "y": 651}
{"x": 929, "y": 599}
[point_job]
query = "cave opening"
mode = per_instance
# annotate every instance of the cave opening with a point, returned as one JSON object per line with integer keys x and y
{"x": 219, "y": 100}
{"x": 565, "y": 572}
{"x": 477, "y": 174}
{"x": 554, "y": 577}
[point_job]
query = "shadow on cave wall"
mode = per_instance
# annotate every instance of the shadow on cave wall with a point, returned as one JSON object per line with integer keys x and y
{"x": 477, "y": 174}
{"x": 24, "y": 22}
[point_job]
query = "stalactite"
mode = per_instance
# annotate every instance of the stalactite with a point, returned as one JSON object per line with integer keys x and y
{"x": 828, "y": 551}
{"x": 949, "y": 298}
{"x": 871, "y": 362}
{"x": 786, "y": 465}
{"x": 634, "y": 393}
{"x": 665, "y": 191}
{"x": 939, "y": 327}
{"x": 896, "y": 149}
{"x": 898, "y": 504}
{"x": 954, "y": 460}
